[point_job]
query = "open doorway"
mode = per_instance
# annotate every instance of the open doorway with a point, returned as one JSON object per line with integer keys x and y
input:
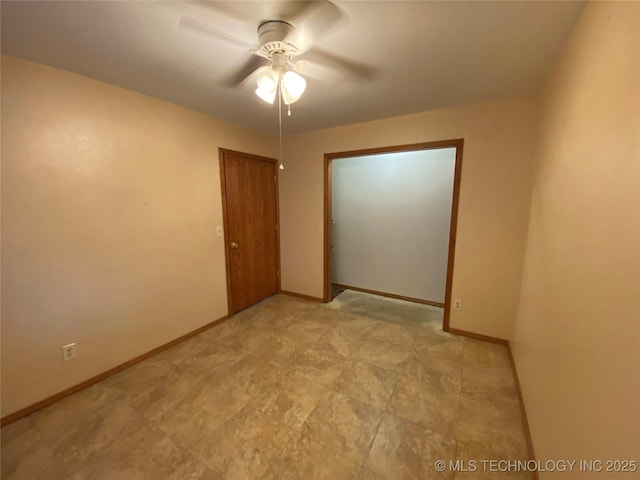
{"x": 390, "y": 221}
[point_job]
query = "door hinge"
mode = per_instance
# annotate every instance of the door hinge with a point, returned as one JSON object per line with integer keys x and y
{"x": 278, "y": 273}
{"x": 275, "y": 179}
{"x": 276, "y": 227}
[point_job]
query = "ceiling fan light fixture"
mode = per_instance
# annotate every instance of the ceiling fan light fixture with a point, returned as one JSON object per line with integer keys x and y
{"x": 293, "y": 86}
{"x": 267, "y": 85}
{"x": 266, "y": 95}
{"x": 267, "y": 81}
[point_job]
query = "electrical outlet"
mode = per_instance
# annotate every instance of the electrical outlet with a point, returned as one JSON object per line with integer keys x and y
{"x": 69, "y": 352}
{"x": 457, "y": 304}
{"x": 219, "y": 231}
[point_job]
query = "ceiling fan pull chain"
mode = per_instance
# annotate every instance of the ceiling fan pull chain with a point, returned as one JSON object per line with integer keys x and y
{"x": 280, "y": 127}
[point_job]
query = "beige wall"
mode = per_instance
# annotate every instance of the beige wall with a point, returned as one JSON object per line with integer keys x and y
{"x": 109, "y": 205}
{"x": 577, "y": 336}
{"x": 494, "y": 202}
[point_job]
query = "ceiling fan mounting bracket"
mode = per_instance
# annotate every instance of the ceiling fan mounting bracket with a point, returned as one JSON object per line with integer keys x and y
{"x": 272, "y": 36}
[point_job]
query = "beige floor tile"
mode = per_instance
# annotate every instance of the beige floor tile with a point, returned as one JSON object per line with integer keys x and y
{"x": 140, "y": 378}
{"x": 280, "y": 354}
{"x": 166, "y": 394}
{"x": 273, "y": 320}
{"x": 84, "y": 442}
{"x": 434, "y": 409}
{"x": 291, "y": 400}
{"x": 26, "y": 455}
{"x": 192, "y": 421}
{"x": 403, "y": 450}
{"x": 393, "y": 334}
{"x": 231, "y": 326}
{"x": 310, "y": 460}
{"x": 486, "y": 354}
{"x": 184, "y": 351}
{"x": 443, "y": 344}
{"x": 431, "y": 328}
{"x": 367, "y": 474}
{"x": 287, "y": 302}
{"x": 479, "y": 378}
{"x": 274, "y": 346}
{"x": 73, "y": 408}
{"x": 307, "y": 330}
{"x": 20, "y": 434}
{"x": 35, "y": 463}
{"x": 384, "y": 354}
{"x": 498, "y": 430}
{"x": 249, "y": 378}
{"x": 343, "y": 424}
{"x": 245, "y": 446}
{"x": 367, "y": 383}
{"x": 244, "y": 340}
{"x": 146, "y": 454}
{"x": 318, "y": 364}
{"x": 271, "y": 317}
{"x": 261, "y": 342}
{"x": 439, "y": 373}
{"x": 482, "y": 455}
{"x": 340, "y": 342}
{"x": 357, "y": 325}
{"x": 492, "y": 391}
{"x": 159, "y": 385}
{"x": 287, "y": 389}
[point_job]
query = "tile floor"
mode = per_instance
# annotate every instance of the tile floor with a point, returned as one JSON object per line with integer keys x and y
{"x": 363, "y": 388}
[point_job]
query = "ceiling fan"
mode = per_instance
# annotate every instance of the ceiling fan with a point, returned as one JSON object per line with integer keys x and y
{"x": 286, "y": 30}
{"x": 283, "y": 71}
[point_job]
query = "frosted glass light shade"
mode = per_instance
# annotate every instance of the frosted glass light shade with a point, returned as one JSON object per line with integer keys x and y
{"x": 292, "y": 86}
{"x": 267, "y": 86}
{"x": 266, "y": 95}
{"x": 267, "y": 81}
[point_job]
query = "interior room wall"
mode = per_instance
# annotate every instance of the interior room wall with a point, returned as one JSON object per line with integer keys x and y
{"x": 110, "y": 200}
{"x": 493, "y": 212}
{"x": 392, "y": 214}
{"x": 577, "y": 336}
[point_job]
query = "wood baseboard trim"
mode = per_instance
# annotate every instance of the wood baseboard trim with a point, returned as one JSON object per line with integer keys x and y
{"x": 479, "y": 336}
{"x": 23, "y": 412}
{"x": 523, "y": 412}
{"x": 391, "y": 295}
{"x": 300, "y": 295}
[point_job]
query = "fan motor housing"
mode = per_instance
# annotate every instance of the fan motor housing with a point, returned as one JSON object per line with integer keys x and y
{"x": 272, "y": 35}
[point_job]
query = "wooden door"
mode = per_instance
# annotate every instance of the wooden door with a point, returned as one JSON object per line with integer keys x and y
{"x": 250, "y": 209}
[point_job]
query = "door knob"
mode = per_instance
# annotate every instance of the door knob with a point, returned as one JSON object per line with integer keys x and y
{"x": 234, "y": 245}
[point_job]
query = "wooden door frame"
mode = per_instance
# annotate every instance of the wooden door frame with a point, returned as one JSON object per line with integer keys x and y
{"x": 458, "y": 144}
{"x": 225, "y": 216}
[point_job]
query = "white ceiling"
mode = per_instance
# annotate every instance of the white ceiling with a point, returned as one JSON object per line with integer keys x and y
{"x": 421, "y": 55}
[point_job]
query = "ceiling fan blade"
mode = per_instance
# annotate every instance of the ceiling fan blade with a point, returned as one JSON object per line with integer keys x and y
{"x": 359, "y": 71}
{"x": 201, "y": 27}
{"x": 298, "y": 65}
{"x": 315, "y": 22}
{"x": 259, "y": 11}
{"x": 242, "y": 75}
